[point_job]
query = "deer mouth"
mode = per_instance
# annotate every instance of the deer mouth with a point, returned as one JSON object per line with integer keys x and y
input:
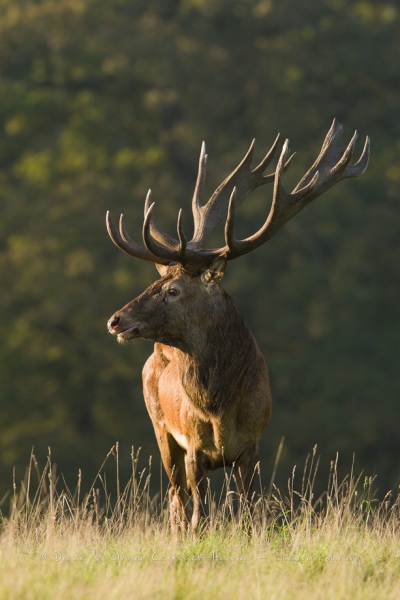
{"x": 123, "y": 334}
{"x": 117, "y": 326}
{"x": 128, "y": 334}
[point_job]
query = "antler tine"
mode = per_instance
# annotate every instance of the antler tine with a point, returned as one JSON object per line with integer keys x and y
{"x": 125, "y": 243}
{"x": 157, "y": 248}
{"x": 361, "y": 165}
{"x": 230, "y": 221}
{"x": 267, "y": 159}
{"x": 279, "y": 194}
{"x": 341, "y": 165}
{"x": 159, "y": 235}
{"x": 182, "y": 238}
{"x": 201, "y": 179}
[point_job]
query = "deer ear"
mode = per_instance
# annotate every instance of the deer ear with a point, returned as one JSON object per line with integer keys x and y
{"x": 215, "y": 272}
{"x": 162, "y": 269}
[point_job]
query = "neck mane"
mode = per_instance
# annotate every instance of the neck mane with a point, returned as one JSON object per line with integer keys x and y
{"x": 222, "y": 358}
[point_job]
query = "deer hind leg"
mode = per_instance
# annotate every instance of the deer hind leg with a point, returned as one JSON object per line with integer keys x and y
{"x": 197, "y": 482}
{"x": 245, "y": 471}
{"x": 173, "y": 458}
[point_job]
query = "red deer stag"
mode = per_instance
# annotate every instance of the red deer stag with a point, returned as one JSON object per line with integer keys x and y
{"x": 206, "y": 384}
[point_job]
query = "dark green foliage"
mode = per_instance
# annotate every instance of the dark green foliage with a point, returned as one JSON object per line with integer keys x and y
{"x": 102, "y": 100}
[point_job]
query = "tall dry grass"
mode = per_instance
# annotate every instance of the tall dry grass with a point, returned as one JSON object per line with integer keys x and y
{"x": 115, "y": 542}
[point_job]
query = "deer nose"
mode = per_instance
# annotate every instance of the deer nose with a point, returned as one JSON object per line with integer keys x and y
{"x": 113, "y": 322}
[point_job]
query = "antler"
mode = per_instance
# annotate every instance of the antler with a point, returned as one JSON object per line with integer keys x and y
{"x": 332, "y": 165}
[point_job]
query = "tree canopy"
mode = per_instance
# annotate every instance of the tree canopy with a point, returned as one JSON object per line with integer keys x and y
{"x": 102, "y": 100}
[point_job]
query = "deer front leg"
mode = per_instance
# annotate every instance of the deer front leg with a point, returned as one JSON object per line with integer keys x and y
{"x": 173, "y": 458}
{"x": 197, "y": 482}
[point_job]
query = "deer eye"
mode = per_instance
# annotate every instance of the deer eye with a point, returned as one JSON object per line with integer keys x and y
{"x": 173, "y": 292}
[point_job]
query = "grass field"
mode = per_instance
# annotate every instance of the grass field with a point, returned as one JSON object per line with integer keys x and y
{"x": 56, "y": 544}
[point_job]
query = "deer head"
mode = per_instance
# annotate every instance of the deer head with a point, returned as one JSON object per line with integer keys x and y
{"x": 172, "y": 309}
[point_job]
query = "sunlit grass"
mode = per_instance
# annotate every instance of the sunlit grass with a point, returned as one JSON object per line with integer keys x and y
{"x": 58, "y": 543}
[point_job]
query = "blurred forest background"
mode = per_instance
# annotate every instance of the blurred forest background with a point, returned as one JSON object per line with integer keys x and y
{"x": 103, "y": 99}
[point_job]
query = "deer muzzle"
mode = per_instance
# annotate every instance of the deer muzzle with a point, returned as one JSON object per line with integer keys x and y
{"x": 119, "y": 326}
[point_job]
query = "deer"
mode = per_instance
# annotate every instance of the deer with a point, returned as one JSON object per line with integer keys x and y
{"x": 206, "y": 384}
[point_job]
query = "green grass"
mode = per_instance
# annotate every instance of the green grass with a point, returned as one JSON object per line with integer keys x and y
{"x": 56, "y": 544}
